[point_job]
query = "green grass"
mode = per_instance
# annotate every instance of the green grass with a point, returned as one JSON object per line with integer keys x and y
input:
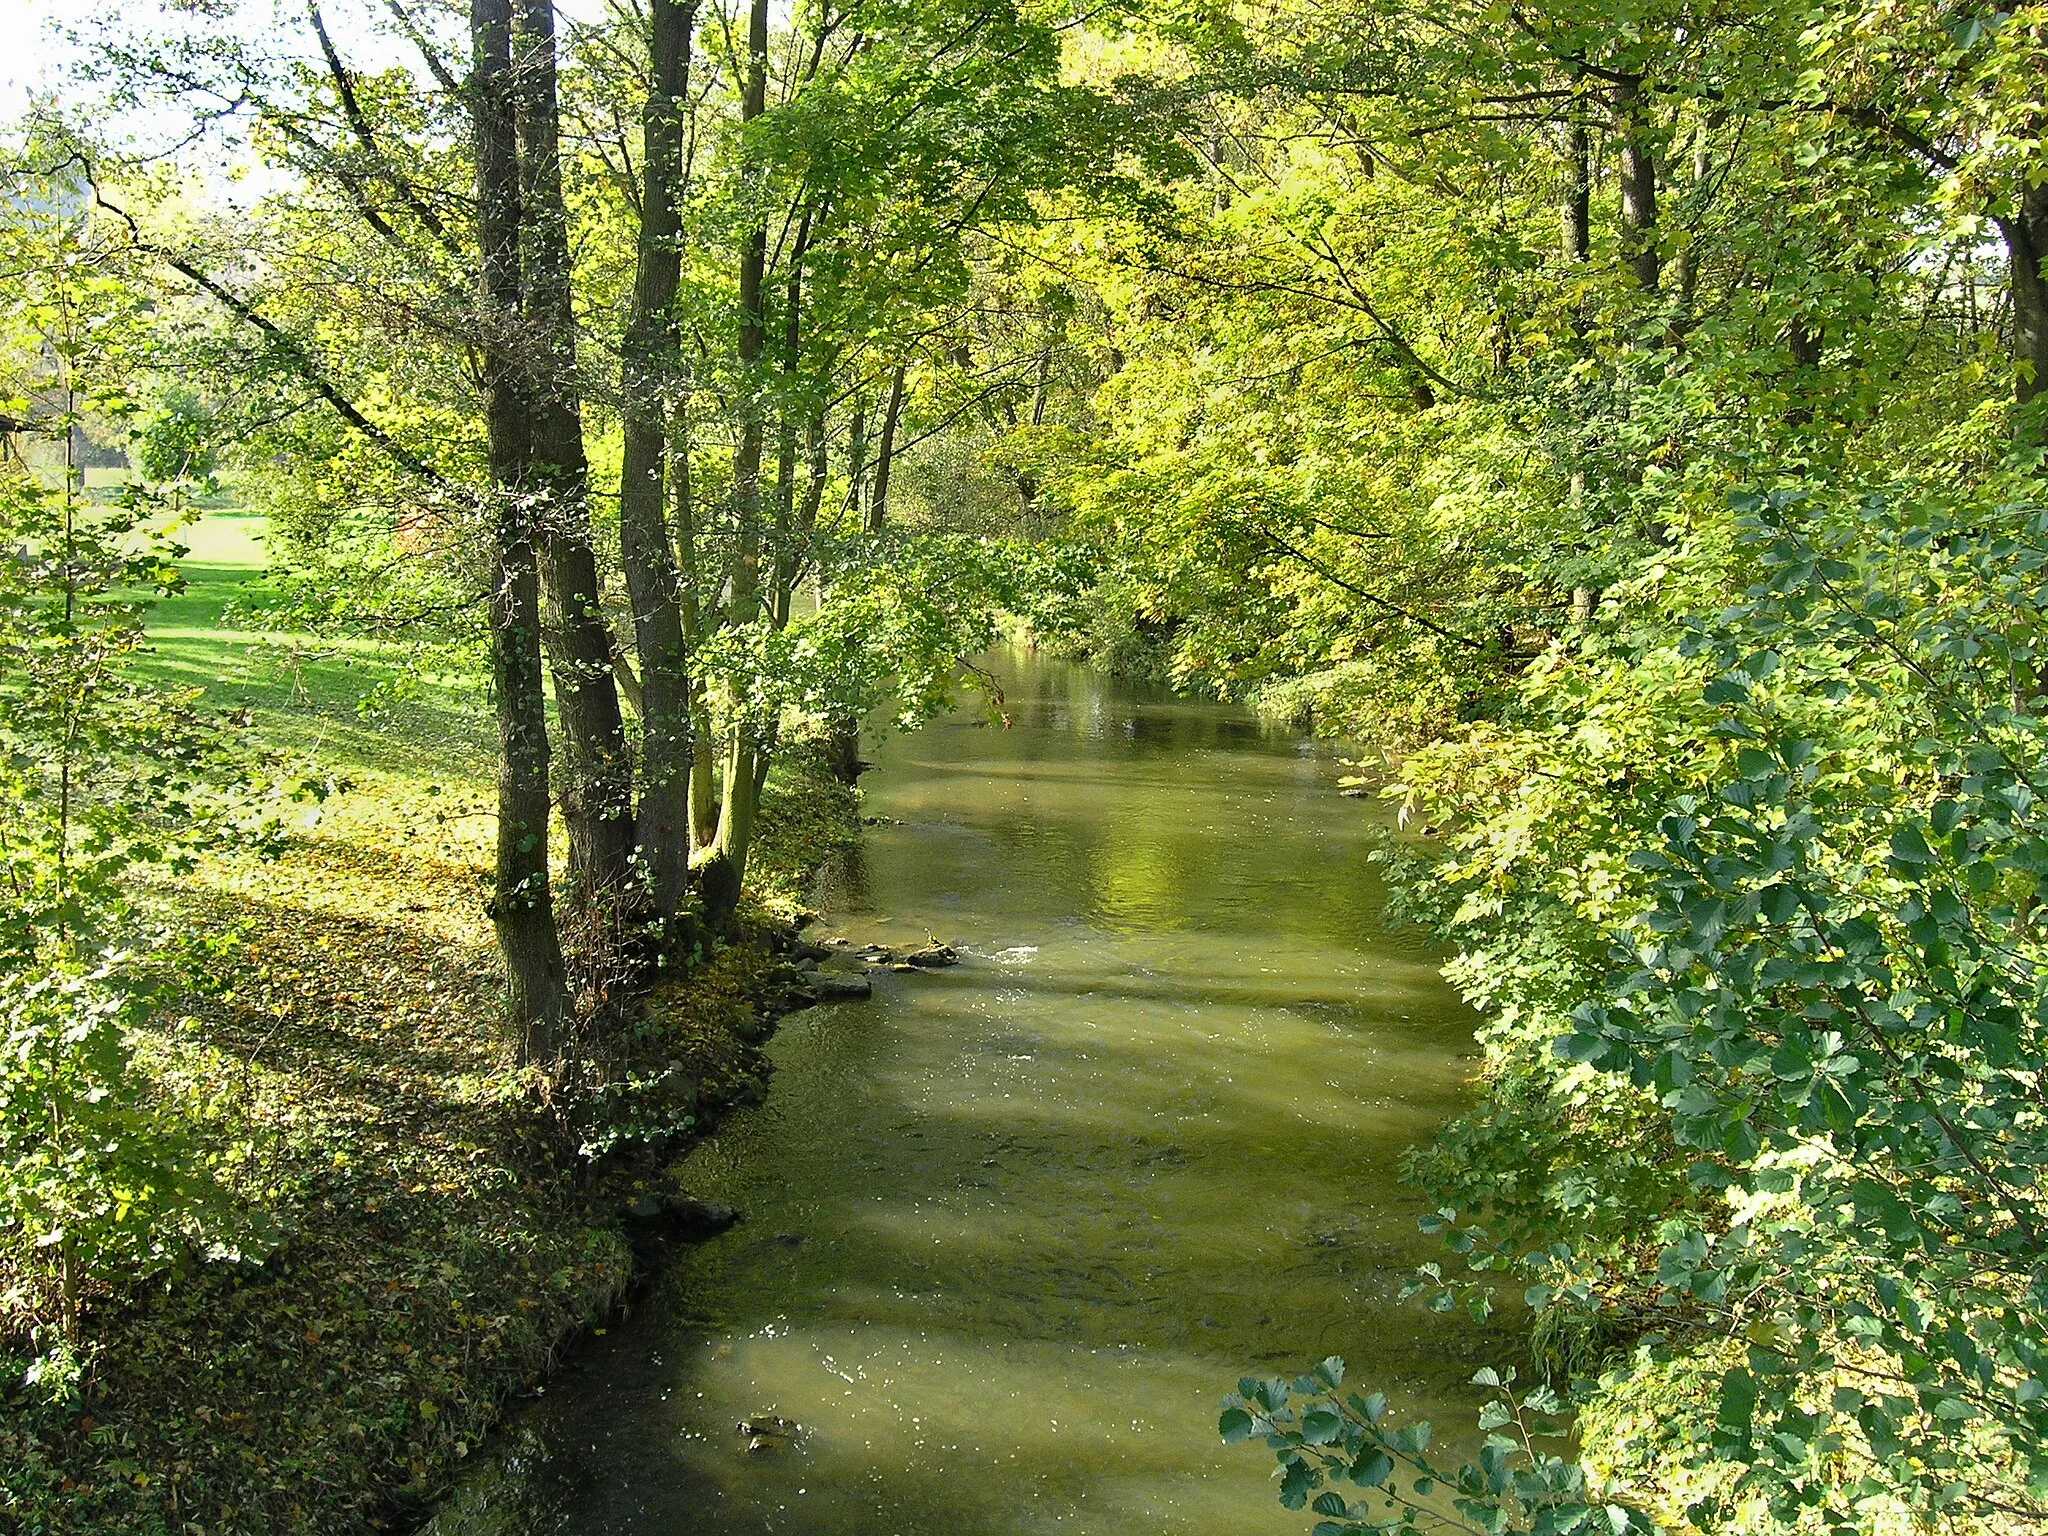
{"x": 340, "y": 702}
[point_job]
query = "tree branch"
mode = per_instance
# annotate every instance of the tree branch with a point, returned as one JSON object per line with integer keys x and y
{"x": 287, "y": 345}
{"x": 352, "y": 109}
{"x": 1374, "y": 598}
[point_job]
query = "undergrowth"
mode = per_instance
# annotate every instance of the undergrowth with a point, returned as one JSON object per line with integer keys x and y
{"x": 428, "y": 1243}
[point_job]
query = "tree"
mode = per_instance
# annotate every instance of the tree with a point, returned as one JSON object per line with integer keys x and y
{"x": 103, "y": 776}
{"x": 650, "y": 386}
{"x": 522, "y": 906}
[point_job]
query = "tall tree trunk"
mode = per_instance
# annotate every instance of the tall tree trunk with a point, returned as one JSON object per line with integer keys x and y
{"x": 1575, "y": 207}
{"x": 885, "y": 455}
{"x": 1638, "y": 183}
{"x": 649, "y": 353}
{"x": 703, "y": 793}
{"x": 597, "y": 799}
{"x": 1684, "y": 270}
{"x": 820, "y": 470}
{"x": 787, "y": 535}
{"x": 1803, "y": 342}
{"x": 856, "y": 460}
{"x": 1027, "y": 479}
{"x": 784, "y": 544}
{"x": 2026, "y": 244}
{"x": 1575, "y": 232}
{"x": 522, "y": 905}
{"x": 842, "y": 743}
{"x": 842, "y": 733}
{"x": 721, "y": 871}
{"x": 804, "y": 524}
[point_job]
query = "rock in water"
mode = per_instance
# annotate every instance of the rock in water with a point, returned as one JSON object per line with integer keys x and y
{"x": 646, "y": 1211}
{"x": 699, "y": 1219}
{"x": 680, "y": 1216}
{"x": 933, "y": 956}
{"x": 832, "y": 988}
{"x": 767, "y": 1432}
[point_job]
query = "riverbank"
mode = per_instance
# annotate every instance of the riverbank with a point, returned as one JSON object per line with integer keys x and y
{"x": 429, "y": 1247}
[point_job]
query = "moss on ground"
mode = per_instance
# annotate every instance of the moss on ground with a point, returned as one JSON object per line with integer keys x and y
{"x": 434, "y": 1248}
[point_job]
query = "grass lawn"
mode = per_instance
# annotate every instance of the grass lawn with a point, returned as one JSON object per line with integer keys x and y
{"x": 345, "y": 702}
{"x": 431, "y": 1247}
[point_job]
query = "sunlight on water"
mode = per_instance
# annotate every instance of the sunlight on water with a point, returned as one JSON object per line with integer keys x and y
{"x": 1012, "y": 1229}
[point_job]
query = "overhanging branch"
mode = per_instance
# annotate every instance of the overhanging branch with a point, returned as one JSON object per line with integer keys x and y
{"x": 287, "y": 345}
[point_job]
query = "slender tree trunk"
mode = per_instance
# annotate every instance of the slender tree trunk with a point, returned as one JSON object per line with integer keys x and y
{"x": 789, "y": 539}
{"x": 1638, "y": 183}
{"x": 1803, "y": 341}
{"x": 753, "y": 336}
{"x": 1575, "y": 208}
{"x": 522, "y": 905}
{"x": 703, "y": 792}
{"x": 856, "y": 460}
{"x": 721, "y": 872}
{"x": 1027, "y": 479}
{"x": 2026, "y": 243}
{"x": 842, "y": 744}
{"x": 597, "y": 797}
{"x": 1684, "y": 271}
{"x": 819, "y": 471}
{"x": 650, "y": 352}
{"x": 842, "y": 733}
{"x": 885, "y": 456}
{"x": 804, "y": 524}
{"x": 1575, "y": 232}
{"x": 784, "y": 545}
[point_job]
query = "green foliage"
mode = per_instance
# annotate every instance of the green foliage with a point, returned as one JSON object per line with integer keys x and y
{"x": 901, "y": 612}
{"x": 1834, "y": 991}
{"x": 97, "y": 1183}
{"x": 102, "y": 776}
{"x": 1325, "y": 1439}
{"x": 1814, "y": 1035}
{"x": 106, "y": 778}
{"x": 1689, "y": 568}
{"x": 174, "y": 440}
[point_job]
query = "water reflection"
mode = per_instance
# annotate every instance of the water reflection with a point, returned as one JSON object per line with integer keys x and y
{"x": 1013, "y": 1228}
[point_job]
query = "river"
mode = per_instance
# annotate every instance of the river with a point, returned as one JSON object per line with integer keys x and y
{"x": 1012, "y": 1229}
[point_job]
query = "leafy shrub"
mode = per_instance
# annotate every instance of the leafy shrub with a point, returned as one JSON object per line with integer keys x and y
{"x": 173, "y": 441}
{"x": 102, "y": 776}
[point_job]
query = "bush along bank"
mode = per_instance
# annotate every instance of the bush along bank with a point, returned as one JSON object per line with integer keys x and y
{"x": 431, "y": 1233}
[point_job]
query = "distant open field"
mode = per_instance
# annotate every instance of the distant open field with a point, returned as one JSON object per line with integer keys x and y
{"x": 347, "y": 701}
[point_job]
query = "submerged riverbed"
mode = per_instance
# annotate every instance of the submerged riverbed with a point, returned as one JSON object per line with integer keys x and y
{"x": 1013, "y": 1228}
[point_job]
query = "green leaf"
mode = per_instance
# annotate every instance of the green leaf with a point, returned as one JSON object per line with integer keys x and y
{"x": 1321, "y": 1426}
{"x": 1372, "y": 1468}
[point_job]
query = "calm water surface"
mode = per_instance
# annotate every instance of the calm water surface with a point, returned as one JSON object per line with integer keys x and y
{"x": 1013, "y": 1228}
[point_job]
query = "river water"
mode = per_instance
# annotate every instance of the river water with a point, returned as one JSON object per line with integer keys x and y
{"x": 1012, "y": 1229}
